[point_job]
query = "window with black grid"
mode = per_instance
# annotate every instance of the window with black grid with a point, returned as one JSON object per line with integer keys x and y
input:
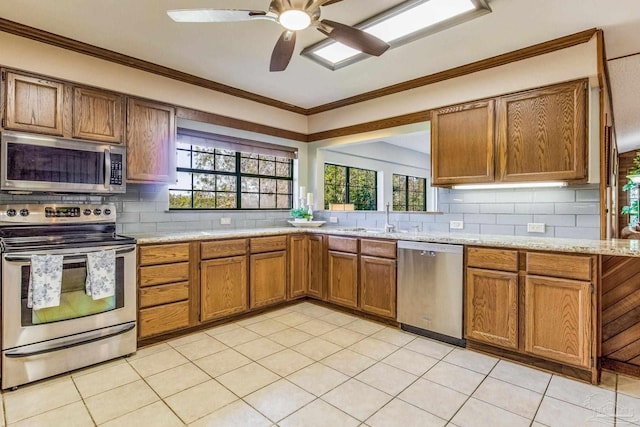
{"x": 409, "y": 193}
{"x": 349, "y": 185}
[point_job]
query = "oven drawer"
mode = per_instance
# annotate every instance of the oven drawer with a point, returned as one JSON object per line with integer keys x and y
{"x": 164, "y": 254}
{"x": 164, "y": 318}
{"x": 161, "y": 274}
{"x": 163, "y": 294}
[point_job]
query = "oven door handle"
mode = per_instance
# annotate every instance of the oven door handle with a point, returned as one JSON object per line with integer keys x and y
{"x": 77, "y": 256}
{"x": 42, "y": 348}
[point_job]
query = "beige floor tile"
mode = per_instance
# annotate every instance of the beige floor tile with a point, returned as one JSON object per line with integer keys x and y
{"x": 520, "y": 401}
{"x": 581, "y": 394}
{"x": 278, "y": 400}
{"x": 629, "y": 386}
{"x": 257, "y": 349}
{"x": 348, "y": 362}
{"x": 222, "y": 329}
{"x": 72, "y": 415}
{"x": 313, "y": 310}
{"x": 339, "y": 319}
{"x": 480, "y": 363}
{"x": 119, "y": 401}
{"x": 316, "y": 327}
{"x": 522, "y": 376}
{"x": 290, "y": 337}
{"x": 476, "y": 413}
{"x": 455, "y": 377}
{"x": 105, "y": 379}
{"x": 319, "y": 414}
{"x": 236, "y": 414}
{"x": 374, "y": 348}
{"x": 223, "y": 362}
{"x": 253, "y": 319}
{"x": 237, "y": 337}
{"x": 158, "y": 362}
{"x": 201, "y": 348}
{"x": 357, "y": 399}
{"x": 201, "y": 400}
{"x": 317, "y": 378}
{"x": 343, "y": 337}
{"x": 187, "y": 339}
{"x": 157, "y": 415}
{"x": 279, "y": 312}
{"x": 394, "y": 336}
{"x": 293, "y": 318}
{"x": 428, "y": 347}
{"x": 317, "y": 348}
{"x": 267, "y": 327}
{"x": 556, "y": 413}
{"x": 148, "y": 350}
{"x": 399, "y": 413}
{"x": 285, "y": 362}
{"x": 98, "y": 367}
{"x": 177, "y": 379}
{"x": 38, "y": 398}
{"x": 627, "y": 409}
{"x": 434, "y": 398}
{"x": 386, "y": 378}
{"x": 410, "y": 361}
{"x": 365, "y": 327}
{"x": 247, "y": 379}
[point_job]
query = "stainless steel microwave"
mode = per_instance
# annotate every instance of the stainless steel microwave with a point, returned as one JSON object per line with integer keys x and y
{"x": 42, "y": 163}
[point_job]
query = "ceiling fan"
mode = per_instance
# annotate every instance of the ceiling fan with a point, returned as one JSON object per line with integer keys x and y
{"x": 293, "y": 15}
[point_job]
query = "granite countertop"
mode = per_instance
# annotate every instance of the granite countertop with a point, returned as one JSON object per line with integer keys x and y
{"x": 620, "y": 247}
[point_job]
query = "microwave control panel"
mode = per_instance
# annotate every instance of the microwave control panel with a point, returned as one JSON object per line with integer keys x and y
{"x": 116, "y": 169}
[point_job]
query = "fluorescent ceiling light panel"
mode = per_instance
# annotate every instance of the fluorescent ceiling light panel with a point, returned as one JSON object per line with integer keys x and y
{"x": 509, "y": 185}
{"x": 399, "y": 25}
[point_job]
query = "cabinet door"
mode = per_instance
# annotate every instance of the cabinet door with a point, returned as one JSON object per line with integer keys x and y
{"x": 34, "y": 104}
{"x": 298, "y": 266}
{"x": 343, "y": 279}
{"x": 223, "y": 287}
{"x": 542, "y": 134}
{"x": 151, "y": 145}
{"x": 492, "y": 307}
{"x": 462, "y": 144}
{"x": 378, "y": 286}
{"x": 316, "y": 264}
{"x": 97, "y": 115}
{"x": 268, "y": 273}
{"x": 558, "y": 319}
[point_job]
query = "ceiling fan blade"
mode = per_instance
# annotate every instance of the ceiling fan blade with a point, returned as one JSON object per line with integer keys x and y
{"x": 215, "y": 15}
{"x": 283, "y": 51}
{"x": 353, "y": 37}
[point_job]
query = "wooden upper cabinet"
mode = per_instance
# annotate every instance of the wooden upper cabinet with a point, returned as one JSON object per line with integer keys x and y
{"x": 542, "y": 134}
{"x": 462, "y": 144}
{"x": 34, "y": 104}
{"x": 151, "y": 142}
{"x": 97, "y": 115}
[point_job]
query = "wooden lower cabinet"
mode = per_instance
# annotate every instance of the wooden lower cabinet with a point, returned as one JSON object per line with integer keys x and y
{"x": 163, "y": 318}
{"x": 342, "y": 286}
{"x": 223, "y": 287}
{"x": 268, "y": 278}
{"x": 378, "y": 286}
{"x": 316, "y": 286}
{"x": 492, "y": 307}
{"x": 298, "y": 266}
{"x": 558, "y": 319}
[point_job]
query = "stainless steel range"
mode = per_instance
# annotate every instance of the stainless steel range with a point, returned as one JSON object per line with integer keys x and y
{"x": 80, "y": 329}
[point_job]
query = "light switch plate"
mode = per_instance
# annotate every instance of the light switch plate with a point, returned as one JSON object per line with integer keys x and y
{"x": 225, "y": 221}
{"x": 333, "y": 219}
{"x": 456, "y": 225}
{"x": 535, "y": 227}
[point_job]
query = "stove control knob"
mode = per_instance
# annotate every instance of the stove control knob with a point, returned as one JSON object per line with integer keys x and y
{"x": 24, "y": 212}
{"x": 11, "y": 212}
{"x": 87, "y": 212}
{"x": 107, "y": 211}
{"x": 97, "y": 211}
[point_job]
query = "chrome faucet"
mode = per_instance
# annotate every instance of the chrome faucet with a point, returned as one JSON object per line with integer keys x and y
{"x": 388, "y": 227}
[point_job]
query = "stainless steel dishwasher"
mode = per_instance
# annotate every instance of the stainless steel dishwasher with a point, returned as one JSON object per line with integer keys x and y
{"x": 430, "y": 290}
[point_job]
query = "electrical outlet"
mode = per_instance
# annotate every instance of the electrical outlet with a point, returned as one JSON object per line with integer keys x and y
{"x": 333, "y": 219}
{"x": 456, "y": 225}
{"x": 225, "y": 221}
{"x": 535, "y": 227}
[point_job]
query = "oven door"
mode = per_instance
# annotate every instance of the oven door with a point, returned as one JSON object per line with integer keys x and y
{"x": 77, "y": 313}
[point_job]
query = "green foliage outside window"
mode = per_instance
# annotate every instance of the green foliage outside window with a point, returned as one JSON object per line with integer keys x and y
{"x": 344, "y": 184}
{"x": 409, "y": 193}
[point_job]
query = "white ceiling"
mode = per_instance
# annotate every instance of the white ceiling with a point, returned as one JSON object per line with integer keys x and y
{"x": 237, "y": 54}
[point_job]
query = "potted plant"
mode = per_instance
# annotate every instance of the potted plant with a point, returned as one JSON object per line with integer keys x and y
{"x": 301, "y": 214}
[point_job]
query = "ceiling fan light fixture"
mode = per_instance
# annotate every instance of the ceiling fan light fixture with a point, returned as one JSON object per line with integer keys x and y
{"x": 294, "y": 19}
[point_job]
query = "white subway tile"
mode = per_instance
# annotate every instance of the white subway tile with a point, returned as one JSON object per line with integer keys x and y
{"x": 480, "y": 218}
{"x": 497, "y": 208}
{"x": 508, "y": 230}
{"x": 556, "y": 220}
{"x": 577, "y": 208}
{"x": 534, "y": 208}
{"x": 578, "y": 232}
{"x": 514, "y": 219}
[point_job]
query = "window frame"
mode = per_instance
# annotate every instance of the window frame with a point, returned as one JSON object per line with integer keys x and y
{"x": 407, "y": 192}
{"x": 347, "y": 185}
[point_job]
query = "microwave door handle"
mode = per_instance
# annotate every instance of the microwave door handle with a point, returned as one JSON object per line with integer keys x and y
{"x": 67, "y": 257}
{"x": 107, "y": 167}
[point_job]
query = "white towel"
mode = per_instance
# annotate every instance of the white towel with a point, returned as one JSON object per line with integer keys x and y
{"x": 101, "y": 274}
{"x": 45, "y": 281}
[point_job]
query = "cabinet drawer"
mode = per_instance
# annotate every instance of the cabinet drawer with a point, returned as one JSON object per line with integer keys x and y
{"x": 160, "y": 274}
{"x": 559, "y": 265}
{"x": 164, "y": 318}
{"x": 492, "y": 259}
{"x": 164, "y": 254}
{"x": 268, "y": 244}
{"x": 343, "y": 244}
{"x": 378, "y": 248}
{"x": 164, "y": 294}
{"x": 223, "y": 248}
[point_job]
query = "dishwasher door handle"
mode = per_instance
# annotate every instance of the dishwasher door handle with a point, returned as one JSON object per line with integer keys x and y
{"x": 428, "y": 253}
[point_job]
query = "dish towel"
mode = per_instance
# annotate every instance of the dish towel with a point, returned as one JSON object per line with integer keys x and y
{"x": 45, "y": 281}
{"x": 101, "y": 274}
